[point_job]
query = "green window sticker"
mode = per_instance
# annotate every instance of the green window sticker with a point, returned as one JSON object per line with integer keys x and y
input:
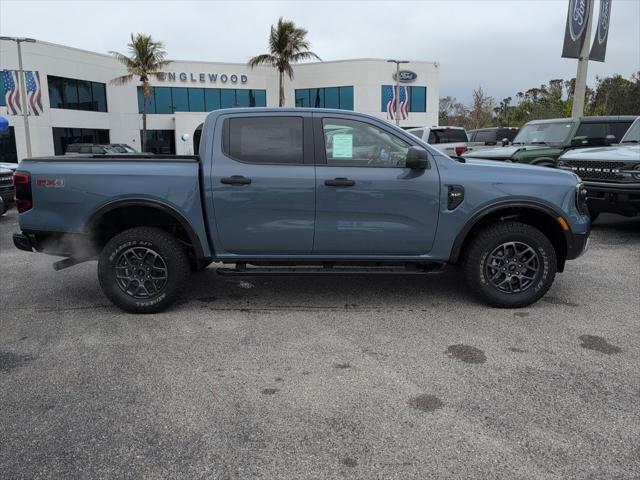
{"x": 343, "y": 145}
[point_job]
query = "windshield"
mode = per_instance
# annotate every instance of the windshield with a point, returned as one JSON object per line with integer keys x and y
{"x": 543, "y": 133}
{"x": 633, "y": 134}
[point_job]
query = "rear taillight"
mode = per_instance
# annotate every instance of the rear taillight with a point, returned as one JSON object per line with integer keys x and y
{"x": 22, "y": 182}
{"x": 460, "y": 151}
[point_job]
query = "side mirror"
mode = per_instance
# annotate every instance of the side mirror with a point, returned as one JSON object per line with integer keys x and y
{"x": 505, "y": 141}
{"x": 579, "y": 141}
{"x": 609, "y": 139}
{"x": 417, "y": 158}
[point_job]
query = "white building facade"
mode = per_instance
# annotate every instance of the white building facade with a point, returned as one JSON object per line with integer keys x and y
{"x": 81, "y": 105}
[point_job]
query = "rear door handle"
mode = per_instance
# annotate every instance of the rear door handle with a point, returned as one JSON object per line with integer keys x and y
{"x": 235, "y": 180}
{"x": 339, "y": 182}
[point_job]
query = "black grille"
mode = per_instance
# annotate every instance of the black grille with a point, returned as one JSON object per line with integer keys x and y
{"x": 596, "y": 170}
{"x": 6, "y": 180}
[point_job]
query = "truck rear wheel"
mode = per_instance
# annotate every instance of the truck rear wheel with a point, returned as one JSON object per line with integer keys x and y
{"x": 143, "y": 269}
{"x": 510, "y": 265}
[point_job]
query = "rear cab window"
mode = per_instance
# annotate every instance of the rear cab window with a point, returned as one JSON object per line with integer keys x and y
{"x": 268, "y": 140}
{"x": 447, "y": 135}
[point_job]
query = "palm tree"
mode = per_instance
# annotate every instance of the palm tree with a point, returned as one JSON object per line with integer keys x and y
{"x": 287, "y": 44}
{"x": 146, "y": 60}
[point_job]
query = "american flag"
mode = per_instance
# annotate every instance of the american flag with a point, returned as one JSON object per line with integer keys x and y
{"x": 389, "y": 93}
{"x": 11, "y": 92}
{"x": 34, "y": 92}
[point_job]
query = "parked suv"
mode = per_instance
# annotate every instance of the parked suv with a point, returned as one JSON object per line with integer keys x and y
{"x": 541, "y": 142}
{"x": 611, "y": 174}
{"x": 451, "y": 141}
{"x": 298, "y": 191}
{"x": 490, "y": 137}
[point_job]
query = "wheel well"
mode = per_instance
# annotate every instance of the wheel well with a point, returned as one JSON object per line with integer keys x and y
{"x": 531, "y": 216}
{"x": 121, "y": 218}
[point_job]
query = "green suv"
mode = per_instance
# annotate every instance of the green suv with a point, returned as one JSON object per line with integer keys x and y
{"x": 541, "y": 142}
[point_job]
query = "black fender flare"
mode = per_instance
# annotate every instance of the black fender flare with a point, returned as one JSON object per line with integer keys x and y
{"x": 540, "y": 160}
{"x": 145, "y": 202}
{"x": 456, "y": 250}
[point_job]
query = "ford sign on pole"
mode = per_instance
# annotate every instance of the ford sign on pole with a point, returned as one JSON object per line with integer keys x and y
{"x": 599, "y": 47}
{"x": 406, "y": 76}
{"x": 574, "y": 34}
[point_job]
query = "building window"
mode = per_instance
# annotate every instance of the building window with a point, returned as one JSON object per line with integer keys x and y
{"x": 63, "y": 137}
{"x": 417, "y": 101}
{"x": 265, "y": 139}
{"x": 8, "y": 151}
{"x": 184, "y": 99}
{"x": 160, "y": 142}
{"x": 328, "y": 97}
{"x": 72, "y": 94}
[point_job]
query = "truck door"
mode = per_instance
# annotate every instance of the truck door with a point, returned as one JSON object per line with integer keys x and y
{"x": 263, "y": 185}
{"x": 367, "y": 201}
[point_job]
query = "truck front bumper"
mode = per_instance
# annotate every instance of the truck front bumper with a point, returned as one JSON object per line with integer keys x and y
{"x": 578, "y": 245}
{"x": 614, "y": 197}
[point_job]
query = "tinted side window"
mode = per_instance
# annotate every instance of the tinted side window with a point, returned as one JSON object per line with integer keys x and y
{"x": 352, "y": 143}
{"x": 619, "y": 129}
{"x": 593, "y": 130}
{"x": 486, "y": 136}
{"x": 265, "y": 139}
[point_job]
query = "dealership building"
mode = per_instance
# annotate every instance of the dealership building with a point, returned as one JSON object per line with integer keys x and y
{"x": 70, "y": 97}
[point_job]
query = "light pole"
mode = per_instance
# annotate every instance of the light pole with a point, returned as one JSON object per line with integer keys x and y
{"x": 23, "y": 95}
{"x": 398, "y": 62}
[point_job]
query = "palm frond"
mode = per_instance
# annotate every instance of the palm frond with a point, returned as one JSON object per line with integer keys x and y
{"x": 124, "y": 79}
{"x": 264, "y": 59}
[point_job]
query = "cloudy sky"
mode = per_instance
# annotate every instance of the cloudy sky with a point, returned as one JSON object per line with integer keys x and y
{"x": 503, "y": 45}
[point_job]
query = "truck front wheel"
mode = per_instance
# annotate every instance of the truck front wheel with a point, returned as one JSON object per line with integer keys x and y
{"x": 510, "y": 264}
{"x": 143, "y": 269}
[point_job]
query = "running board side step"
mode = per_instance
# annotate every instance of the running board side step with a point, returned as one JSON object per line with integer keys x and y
{"x": 422, "y": 269}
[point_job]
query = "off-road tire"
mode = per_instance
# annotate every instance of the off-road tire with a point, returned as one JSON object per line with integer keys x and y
{"x": 485, "y": 242}
{"x": 169, "y": 253}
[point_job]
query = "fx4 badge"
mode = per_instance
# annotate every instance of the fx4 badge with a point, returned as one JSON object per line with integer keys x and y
{"x": 50, "y": 182}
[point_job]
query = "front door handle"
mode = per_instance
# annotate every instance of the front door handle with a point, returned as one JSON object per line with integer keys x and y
{"x": 235, "y": 180}
{"x": 339, "y": 182}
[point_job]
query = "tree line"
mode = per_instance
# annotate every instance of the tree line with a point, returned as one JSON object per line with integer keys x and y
{"x": 614, "y": 95}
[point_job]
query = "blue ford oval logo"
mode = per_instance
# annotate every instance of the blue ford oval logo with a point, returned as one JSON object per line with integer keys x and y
{"x": 406, "y": 76}
{"x": 578, "y": 18}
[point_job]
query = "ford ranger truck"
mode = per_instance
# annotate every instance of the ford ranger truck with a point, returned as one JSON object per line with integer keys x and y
{"x": 282, "y": 191}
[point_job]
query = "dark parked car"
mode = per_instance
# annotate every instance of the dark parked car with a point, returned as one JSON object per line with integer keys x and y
{"x": 491, "y": 137}
{"x": 611, "y": 174}
{"x": 7, "y": 190}
{"x": 541, "y": 142}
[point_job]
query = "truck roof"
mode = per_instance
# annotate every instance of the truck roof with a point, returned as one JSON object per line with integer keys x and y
{"x": 599, "y": 118}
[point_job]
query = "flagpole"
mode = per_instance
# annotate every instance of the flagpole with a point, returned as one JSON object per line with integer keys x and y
{"x": 21, "y": 86}
{"x": 398, "y": 62}
{"x": 581, "y": 75}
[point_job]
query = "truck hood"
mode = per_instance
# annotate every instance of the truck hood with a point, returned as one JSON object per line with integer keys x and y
{"x": 502, "y": 153}
{"x": 625, "y": 153}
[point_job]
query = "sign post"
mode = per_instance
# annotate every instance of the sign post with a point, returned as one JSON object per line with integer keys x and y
{"x": 576, "y": 43}
{"x": 583, "y": 62}
{"x": 398, "y": 62}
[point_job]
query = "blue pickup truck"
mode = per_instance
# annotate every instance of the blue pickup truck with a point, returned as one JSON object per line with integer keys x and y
{"x": 301, "y": 191}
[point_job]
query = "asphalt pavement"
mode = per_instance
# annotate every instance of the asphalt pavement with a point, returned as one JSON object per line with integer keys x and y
{"x": 323, "y": 377}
